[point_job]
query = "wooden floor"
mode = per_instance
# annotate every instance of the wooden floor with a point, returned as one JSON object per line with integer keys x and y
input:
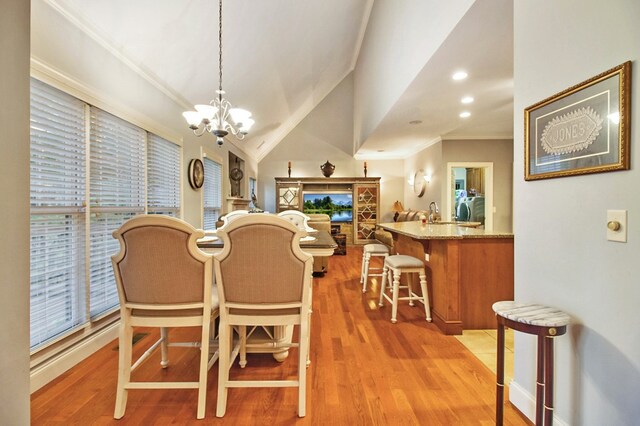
{"x": 364, "y": 370}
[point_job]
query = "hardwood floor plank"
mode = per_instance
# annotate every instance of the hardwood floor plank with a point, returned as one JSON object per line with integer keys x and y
{"x": 364, "y": 371}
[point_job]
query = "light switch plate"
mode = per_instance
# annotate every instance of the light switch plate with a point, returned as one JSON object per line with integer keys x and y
{"x": 619, "y": 216}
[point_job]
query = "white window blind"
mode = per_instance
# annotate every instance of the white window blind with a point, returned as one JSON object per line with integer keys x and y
{"x": 117, "y": 193}
{"x": 212, "y": 193}
{"x": 57, "y": 253}
{"x": 163, "y": 176}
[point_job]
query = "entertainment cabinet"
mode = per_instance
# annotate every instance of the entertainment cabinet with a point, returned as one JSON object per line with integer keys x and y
{"x": 365, "y": 193}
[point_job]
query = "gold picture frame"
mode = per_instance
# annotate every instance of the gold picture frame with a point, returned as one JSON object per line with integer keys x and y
{"x": 584, "y": 129}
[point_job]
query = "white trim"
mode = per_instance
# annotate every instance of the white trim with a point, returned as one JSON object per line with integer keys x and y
{"x": 50, "y": 75}
{"x": 526, "y": 403}
{"x": 56, "y": 366}
{"x": 102, "y": 41}
{"x": 488, "y": 195}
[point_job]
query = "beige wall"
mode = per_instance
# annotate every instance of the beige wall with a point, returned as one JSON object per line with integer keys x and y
{"x": 14, "y": 205}
{"x": 327, "y": 134}
{"x": 430, "y": 161}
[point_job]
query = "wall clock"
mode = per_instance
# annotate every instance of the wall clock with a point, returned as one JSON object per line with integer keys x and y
{"x": 419, "y": 183}
{"x": 196, "y": 173}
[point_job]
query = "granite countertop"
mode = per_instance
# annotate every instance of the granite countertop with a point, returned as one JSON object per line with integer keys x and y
{"x": 443, "y": 231}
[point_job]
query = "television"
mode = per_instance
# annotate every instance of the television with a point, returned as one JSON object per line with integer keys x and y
{"x": 338, "y": 205}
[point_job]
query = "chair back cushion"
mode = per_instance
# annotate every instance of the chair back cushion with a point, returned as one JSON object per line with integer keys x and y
{"x": 158, "y": 268}
{"x": 261, "y": 267}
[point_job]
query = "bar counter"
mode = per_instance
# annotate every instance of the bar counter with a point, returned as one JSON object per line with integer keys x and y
{"x": 468, "y": 269}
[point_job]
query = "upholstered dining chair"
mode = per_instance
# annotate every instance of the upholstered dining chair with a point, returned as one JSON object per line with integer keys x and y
{"x": 231, "y": 216}
{"x": 164, "y": 281}
{"x": 263, "y": 279}
{"x": 298, "y": 218}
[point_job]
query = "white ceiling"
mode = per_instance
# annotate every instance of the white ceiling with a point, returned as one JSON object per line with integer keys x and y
{"x": 282, "y": 57}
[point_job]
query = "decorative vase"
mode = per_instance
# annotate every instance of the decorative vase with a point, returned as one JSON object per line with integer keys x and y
{"x": 327, "y": 169}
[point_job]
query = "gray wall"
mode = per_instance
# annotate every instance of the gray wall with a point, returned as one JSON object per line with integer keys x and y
{"x": 14, "y": 205}
{"x": 562, "y": 257}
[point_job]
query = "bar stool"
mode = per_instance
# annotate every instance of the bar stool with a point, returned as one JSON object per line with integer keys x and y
{"x": 368, "y": 251}
{"x": 396, "y": 265}
{"x": 546, "y": 323}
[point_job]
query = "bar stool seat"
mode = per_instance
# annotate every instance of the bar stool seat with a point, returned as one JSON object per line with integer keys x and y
{"x": 368, "y": 251}
{"x": 546, "y": 323}
{"x": 394, "y": 266}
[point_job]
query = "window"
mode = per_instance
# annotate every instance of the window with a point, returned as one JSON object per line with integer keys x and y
{"x": 212, "y": 193}
{"x": 117, "y": 193}
{"x": 163, "y": 176}
{"x": 57, "y": 212}
{"x": 129, "y": 171}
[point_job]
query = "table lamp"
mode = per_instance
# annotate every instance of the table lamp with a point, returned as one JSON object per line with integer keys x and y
{"x": 397, "y": 208}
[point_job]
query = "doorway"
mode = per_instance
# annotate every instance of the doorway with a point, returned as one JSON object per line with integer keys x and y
{"x": 470, "y": 184}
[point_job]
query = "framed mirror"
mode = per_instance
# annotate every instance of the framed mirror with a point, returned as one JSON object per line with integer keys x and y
{"x": 419, "y": 184}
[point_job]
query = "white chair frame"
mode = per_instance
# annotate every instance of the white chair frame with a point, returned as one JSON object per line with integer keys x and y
{"x": 393, "y": 274}
{"x": 299, "y": 219}
{"x": 229, "y": 351}
{"x": 128, "y": 320}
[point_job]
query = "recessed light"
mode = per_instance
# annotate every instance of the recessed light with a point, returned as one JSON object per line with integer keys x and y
{"x": 465, "y": 114}
{"x": 381, "y": 150}
{"x": 467, "y": 99}
{"x": 415, "y": 122}
{"x": 459, "y": 75}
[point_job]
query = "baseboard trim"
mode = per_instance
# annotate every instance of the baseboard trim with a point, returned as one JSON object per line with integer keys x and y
{"x": 49, "y": 370}
{"x": 526, "y": 403}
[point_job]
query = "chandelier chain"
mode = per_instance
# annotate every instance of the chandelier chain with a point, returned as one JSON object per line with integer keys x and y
{"x": 220, "y": 48}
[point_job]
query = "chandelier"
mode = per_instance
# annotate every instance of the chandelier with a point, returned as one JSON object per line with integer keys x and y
{"x": 219, "y": 117}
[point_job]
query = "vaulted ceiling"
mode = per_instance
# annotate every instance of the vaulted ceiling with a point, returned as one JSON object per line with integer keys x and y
{"x": 282, "y": 57}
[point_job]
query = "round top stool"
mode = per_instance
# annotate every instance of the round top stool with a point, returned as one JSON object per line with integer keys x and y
{"x": 368, "y": 251}
{"x": 394, "y": 266}
{"x": 546, "y": 323}
{"x": 404, "y": 261}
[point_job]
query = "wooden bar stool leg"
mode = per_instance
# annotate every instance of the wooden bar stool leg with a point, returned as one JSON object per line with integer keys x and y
{"x": 383, "y": 285}
{"x": 410, "y": 288}
{"x": 396, "y": 290}
{"x": 540, "y": 382}
{"x": 365, "y": 271}
{"x": 425, "y": 295}
{"x": 500, "y": 376}
{"x": 548, "y": 381}
{"x": 364, "y": 254}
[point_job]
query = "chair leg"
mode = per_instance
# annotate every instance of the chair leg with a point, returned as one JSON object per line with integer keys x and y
{"x": 383, "y": 285}
{"x": 425, "y": 295}
{"x": 225, "y": 334}
{"x": 362, "y": 268}
{"x": 124, "y": 367}
{"x": 204, "y": 361}
{"x": 242, "y": 330}
{"x": 164, "y": 346}
{"x": 302, "y": 365}
{"x": 396, "y": 289}
{"x": 410, "y": 288}
{"x": 365, "y": 271}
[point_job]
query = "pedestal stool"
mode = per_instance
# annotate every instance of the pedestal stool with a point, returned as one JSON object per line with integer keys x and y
{"x": 394, "y": 266}
{"x": 544, "y": 322}
{"x": 368, "y": 251}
